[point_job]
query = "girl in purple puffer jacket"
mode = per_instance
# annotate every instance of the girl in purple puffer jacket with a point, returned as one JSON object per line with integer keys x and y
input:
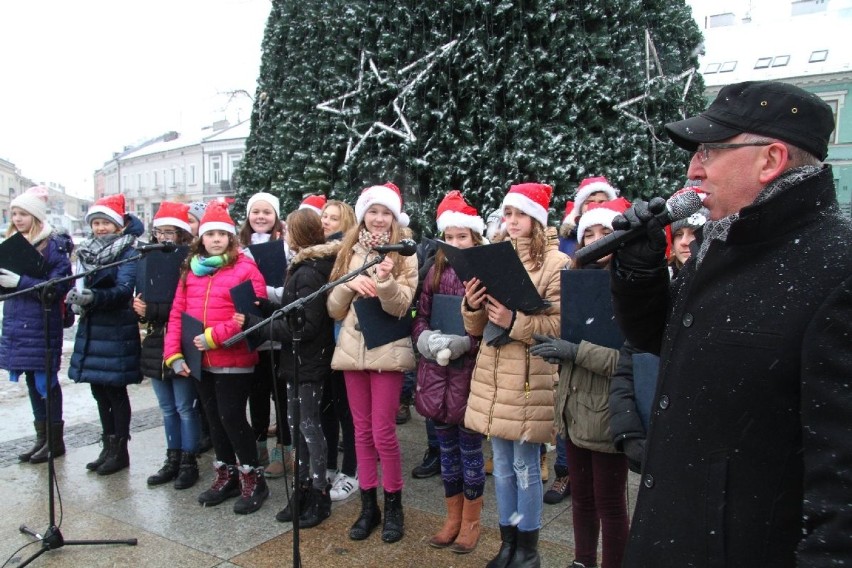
{"x": 443, "y": 382}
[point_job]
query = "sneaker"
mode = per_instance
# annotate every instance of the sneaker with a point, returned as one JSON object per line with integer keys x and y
{"x": 276, "y": 468}
{"x": 560, "y": 489}
{"x": 430, "y": 466}
{"x": 403, "y": 414}
{"x": 331, "y": 476}
{"x": 545, "y": 474}
{"x": 253, "y": 490}
{"x": 343, "y": 487}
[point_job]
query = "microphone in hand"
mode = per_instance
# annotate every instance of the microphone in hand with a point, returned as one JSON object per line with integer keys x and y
{"x": 405, "y": 247}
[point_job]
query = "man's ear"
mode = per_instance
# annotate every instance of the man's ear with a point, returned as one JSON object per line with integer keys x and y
{"x": 775, "y": 159}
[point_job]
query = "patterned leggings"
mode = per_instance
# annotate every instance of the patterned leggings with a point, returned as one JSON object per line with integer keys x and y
{"x": 462, "y": 464}
{"x": 313, "y": 451}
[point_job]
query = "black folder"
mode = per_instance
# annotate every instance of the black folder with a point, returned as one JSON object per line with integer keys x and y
{"x": 501, "y": 272}
{"x": 158, "y": 274}
{"x": 244, "y": 300}
{"x": 271, "y": 260}
{"x": 379, "y": 327}
{"x": 19, "y": 256}
{"x": 190, "y": 328}
{"x": 587, "y": 308}
{"x": 446, "y": 314}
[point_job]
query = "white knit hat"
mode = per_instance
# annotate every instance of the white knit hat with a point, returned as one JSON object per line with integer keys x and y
{"x": 33, "y": 201}
{"x": 387, "y": 195}
{"x": 267, "y": 198}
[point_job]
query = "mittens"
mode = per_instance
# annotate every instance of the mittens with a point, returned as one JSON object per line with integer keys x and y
{"x": 423, "y": 344}
{"x": 82, "y": 297}
{"x": 9, "y": 279}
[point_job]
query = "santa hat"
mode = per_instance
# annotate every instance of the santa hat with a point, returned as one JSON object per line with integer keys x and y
{"x": 601, "y": 214}
{"x": 314, "y": 203}
{"x": 454, "y": 211}
{"x": 110, "y": 208}
{"x": 589, "y": 186}
{"x": 33, "y": 201}
{"x": 266, "y": 198}
{"x": 196, "y": 209}
{"x": 531, "y": 198}
{"x": 387, "y": 195}
{"x": 216, "y": 218}
{"x": 568, "y": 218}
{"x": 172, "y": 213}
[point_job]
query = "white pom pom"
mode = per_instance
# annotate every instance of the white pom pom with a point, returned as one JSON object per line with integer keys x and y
{"x": 443, "y": 357}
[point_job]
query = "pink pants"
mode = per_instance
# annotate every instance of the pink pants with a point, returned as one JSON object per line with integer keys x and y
{"x": 374, "y": 400}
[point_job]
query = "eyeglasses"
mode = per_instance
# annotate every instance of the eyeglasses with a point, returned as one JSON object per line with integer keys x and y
{"x": 166, "y": 234}
{"x": 703, "y": 150}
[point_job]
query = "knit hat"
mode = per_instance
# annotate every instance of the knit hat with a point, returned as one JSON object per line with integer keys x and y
{"x": 216, "y": 218}
{"x": 387, "y": 195}
{"x": 531, "y": 198}
{"x": 454, "y": 211}
{"x": 589, "y": 186}
{"x": 314, "y": 203}
{"x": 33, "y": 201}
{"x": 196, "y": 209}
{"x": 171, "y": 213}
{"x": 569, "y": 208}
{"x": 110, "y": 208}
{"x": 267, "y": 198}
{"x": 601, "y": 214}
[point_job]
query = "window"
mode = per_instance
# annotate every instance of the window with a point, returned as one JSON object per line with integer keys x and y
{"x": 192, "y": 174}
{"x": 763, "y": 63}
{"x": 781, "y": 61}
{"x": 712, "y": 68}
{"x": 173, "y": 179}
{"x": 728, "y": 66}
{"x": 233, "y": 164}
{"x": 215, "y": 169}
{"x": 818, "y": 56}
{"x": 835, "y": 101}
{"x": 138, "y": 181}
{"x": 156, "y": 179}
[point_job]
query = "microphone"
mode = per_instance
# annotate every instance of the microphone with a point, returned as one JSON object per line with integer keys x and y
{"x": 679, "y": 206}
{"x": 165, "y": 247}
{"x": 405, "y": 247}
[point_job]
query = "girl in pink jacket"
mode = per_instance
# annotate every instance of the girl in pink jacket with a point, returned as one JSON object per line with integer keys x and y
{"x": 214, "y": 266}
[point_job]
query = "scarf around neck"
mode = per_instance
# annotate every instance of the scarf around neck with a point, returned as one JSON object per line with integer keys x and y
{"x": 99, "y": 251}
{"x": 207, "y": 265}
{"x": 369, "y": 240}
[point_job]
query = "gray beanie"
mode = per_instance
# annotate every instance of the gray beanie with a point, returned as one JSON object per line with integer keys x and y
{"x": 197, "y": 208}
{"x": 694, "y": 221}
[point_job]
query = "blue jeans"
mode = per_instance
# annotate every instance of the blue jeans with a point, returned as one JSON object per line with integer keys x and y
{"x": 39, "y": 404}
{"x": 517, "y": 483}
{"x": 178, "y": 402}
{"x": 561, "y": 452}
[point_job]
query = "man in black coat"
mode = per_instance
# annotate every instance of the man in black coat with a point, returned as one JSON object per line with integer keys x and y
{"x": 749, "y": 456}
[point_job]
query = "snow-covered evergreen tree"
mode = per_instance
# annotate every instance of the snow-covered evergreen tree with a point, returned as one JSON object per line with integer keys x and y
{"x": 472, "y": 95}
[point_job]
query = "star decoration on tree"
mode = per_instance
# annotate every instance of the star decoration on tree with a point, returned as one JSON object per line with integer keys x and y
{"x": 346, "y": 105}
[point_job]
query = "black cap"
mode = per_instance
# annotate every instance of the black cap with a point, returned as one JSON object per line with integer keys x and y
{"x": 769, "y": 108}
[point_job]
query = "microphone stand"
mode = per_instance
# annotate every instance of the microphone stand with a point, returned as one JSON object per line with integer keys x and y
{"x": 295, "y": 313}
{"x": 52, "y": 537}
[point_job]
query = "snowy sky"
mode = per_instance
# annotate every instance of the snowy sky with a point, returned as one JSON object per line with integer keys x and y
{"x": 80, "y": 80}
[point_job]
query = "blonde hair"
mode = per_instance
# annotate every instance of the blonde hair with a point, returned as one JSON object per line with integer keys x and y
{"x": 35, "y": 229}
{"x": 347, "y": 214}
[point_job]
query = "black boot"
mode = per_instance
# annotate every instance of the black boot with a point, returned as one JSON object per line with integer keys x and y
{"x": 225, "y": 486}
{"x": 94, "y": 465}
{"x": 393, "y": 529}
{"x": 509, "y": 538}
{"x": 526, "y": 551}
{"x": 253, "y": 490}
{"x": 188, "y": 474}
{"x": 57, "y": 436}
{"x": 431, "y": 464}
{"x": 40, "y": 441}
{"x": 285, "y": 515}
{"x": 117, "y": 458}
{"x": 318, "y": 508}
{"x": 169, "y": 471}
{"x": 369, "y": 518}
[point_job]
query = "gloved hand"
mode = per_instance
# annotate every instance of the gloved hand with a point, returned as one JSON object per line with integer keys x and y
{"x": 634, "y": 449}
{"x": 179, "y": 365}
{"x": 202, "y": 343}
{"x": 9, "y": 279}
{"x": 447, "y": 347}
{"x": 553, "y": 350}
{"x": 79, "y": 310}
{"x": 423, "y": 344}
{"x": 267, "y": 307}
{"x": 646, "y": 254}
{"x": 82, "y": 297}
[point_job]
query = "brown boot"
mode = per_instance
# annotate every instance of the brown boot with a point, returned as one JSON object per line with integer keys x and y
{"x": 470, "y": 527}
{"x": 452, "y": 523}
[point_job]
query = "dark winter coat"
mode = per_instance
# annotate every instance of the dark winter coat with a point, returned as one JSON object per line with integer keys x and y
{"x": 22, "y": 346}
{"x": 156, "y": 318}
{"x": 107, "y": 345}
{"x": 625, "y": 420}
{"x": 442, "y": 392}
{"x": 307, "y": 272}
{"x": 748, "y": 457}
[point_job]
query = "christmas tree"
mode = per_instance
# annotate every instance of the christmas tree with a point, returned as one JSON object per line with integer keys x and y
{"x": 471, "y": 95}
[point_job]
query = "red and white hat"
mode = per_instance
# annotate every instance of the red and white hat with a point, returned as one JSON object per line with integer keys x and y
{"x": 217, "y": 218}
{"x": 454, "y": 211}
{"x": 314, "y": 203}
{"x": 110, "y": 208}
{"x": 266, "y": 198}
{"x": 589, "y": 186}
{"x": 569, "y": 208}
{"x": 387, "y": 195}
{"x": 531, "y": 198}
{"x": 173, "y": 213}
{"x": 601, "y": 214}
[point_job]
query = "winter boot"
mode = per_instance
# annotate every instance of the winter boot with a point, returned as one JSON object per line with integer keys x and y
{"x": 40, "y": 441}
{"x": 303, "y": 493}
{"x": 318, "y": 509}
{"x": 188, "y": 474}
{"x": 470, "y": 527}
{"x": 117, "y": 458}
{"x": 94, "y": 465}
{"x": 253, "y": 490}
{"x": 369, "y": 518}
{"x": 509, "y": 538}
{"x": 526, "y": 551}
{"x": 225, "y": 486}
{"x": 452, "y": 524}
{"x": 393, "y": 530}
{"x": 169, "y": 471}
{"x": 57, "y": 435}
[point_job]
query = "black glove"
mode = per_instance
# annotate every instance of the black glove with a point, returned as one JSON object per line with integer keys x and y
{"x": 553, "y": 350}
{"x": 644, "y": 255}
{"x": 267, "y": 307}
{"x": 634, "y": 449}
